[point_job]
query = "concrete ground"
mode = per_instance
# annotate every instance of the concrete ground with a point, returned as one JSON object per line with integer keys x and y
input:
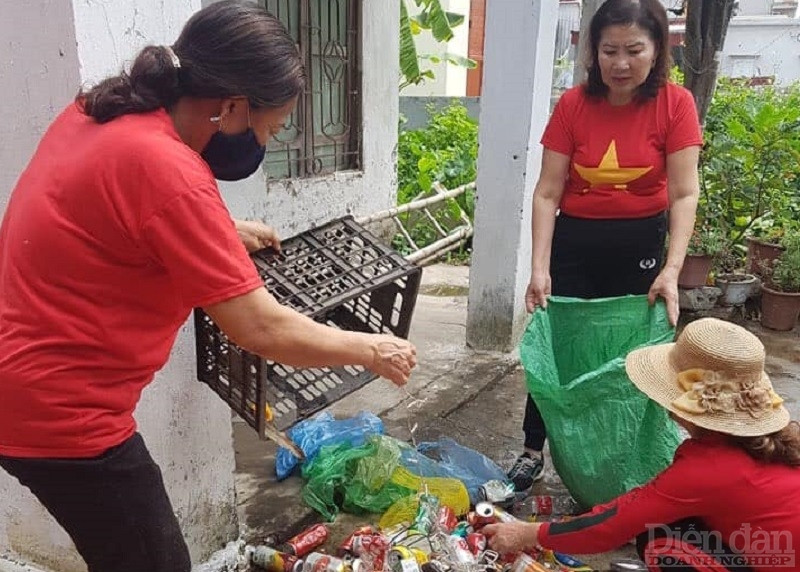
{"x": 476, "y": 398}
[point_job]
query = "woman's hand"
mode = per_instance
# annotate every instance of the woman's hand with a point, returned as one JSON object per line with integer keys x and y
{"x": 666, "y": 286}
{"x": 538, "y": 290}
{"x": 393, "y": 358}
{"x": 256, "y": 235}
{"x": 510, "y": 537}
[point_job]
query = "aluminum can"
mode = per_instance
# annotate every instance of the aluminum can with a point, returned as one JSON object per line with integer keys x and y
{"x": 305, "y": 542}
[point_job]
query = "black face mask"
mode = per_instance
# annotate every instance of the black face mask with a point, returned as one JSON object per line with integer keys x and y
{"x": 234, "y": 157}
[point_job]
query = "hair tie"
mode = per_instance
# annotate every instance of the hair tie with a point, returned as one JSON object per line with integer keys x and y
{"x": 176, "y": 62}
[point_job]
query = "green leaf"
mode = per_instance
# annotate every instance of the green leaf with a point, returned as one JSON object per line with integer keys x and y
{"x": 409, "y": 64}
{"x": 457, "y": 60}
{"x": 440, "y": 26}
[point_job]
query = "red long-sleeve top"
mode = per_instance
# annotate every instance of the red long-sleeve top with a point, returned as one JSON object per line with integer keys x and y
{"x": 754, "y": 506}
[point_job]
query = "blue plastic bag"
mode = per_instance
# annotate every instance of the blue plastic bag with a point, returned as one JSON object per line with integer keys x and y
{"x": 324, "y": 430}
{"x": 446, "y": 458}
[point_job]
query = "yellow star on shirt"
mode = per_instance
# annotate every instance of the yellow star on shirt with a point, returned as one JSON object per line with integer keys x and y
{"x": 608, "y": 172}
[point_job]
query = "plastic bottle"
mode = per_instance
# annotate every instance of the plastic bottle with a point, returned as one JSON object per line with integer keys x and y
{"x": 546, "y": 505}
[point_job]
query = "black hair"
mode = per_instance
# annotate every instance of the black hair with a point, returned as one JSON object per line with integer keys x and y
{"x": 230, "y": 48}
{"x": 651, "y": 17}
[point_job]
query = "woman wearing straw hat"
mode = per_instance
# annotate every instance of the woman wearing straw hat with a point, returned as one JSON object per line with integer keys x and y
{"x": 731, "y": 498}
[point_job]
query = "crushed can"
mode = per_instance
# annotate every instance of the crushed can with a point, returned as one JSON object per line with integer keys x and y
{"x": 498, "y": 492}
{"x": 446, "y": 519}
{"x": 477, "y": 521}
{"x": 401, "y": 559}
{"x": 486, "y": 511}
{"x": 372, "y": 549}
{"x": 460, "y": 550}
{"x": 346, "y": 547}
{"x": 477, "y": 543}
{"x": 526, "y": 563}
{"x": 305, "y": 542}
{"x": 273, "y": 560}
{"x": 318, "y": 562}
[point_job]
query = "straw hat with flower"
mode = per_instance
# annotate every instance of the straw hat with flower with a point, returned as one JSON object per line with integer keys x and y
{"x": 712, "y": 376}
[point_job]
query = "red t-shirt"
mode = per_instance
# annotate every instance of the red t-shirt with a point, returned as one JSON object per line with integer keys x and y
{"x": 619, "y": 153}
{"x": 752, "y": 505}
{"x": 112, "y": 235}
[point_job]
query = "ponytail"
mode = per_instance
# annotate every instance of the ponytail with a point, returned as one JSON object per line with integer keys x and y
{"x": 152, "y": 83}
{"x": 782, "y": 447}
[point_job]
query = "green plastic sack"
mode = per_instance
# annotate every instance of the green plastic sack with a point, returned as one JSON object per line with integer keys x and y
{"x": 357, "y": 479}
{"x": 606, "y": 437}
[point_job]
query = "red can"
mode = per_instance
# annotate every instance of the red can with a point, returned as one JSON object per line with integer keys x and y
{"x": 446, "y": 519}
{"x": 372, "y": 549}
{"x": 477, "y": 543}
{"x": 346, "y": 548}
{"x": 305, "y": 542}
{"x": 317, "y": 562}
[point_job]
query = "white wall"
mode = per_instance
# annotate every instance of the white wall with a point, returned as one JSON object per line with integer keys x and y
{"x": 763, "y": 46}
{"x": 450, "y": 80}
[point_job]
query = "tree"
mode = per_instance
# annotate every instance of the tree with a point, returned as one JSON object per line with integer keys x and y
{"x": 706, "y": 26}
{"x": 432, "y": 17}
{"x": 588, "y": 9}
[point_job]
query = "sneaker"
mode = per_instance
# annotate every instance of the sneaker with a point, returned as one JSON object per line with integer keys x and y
{"x": 526, "y": 471}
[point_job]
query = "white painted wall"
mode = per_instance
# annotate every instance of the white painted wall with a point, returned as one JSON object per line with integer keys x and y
{"x": 450, "y": 80}
{"x": 763, "y": 46}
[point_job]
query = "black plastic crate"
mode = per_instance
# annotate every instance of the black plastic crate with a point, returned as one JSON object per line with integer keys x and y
{"x": 338, "y": 274}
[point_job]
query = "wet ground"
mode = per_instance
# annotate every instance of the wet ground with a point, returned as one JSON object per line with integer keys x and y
{"x": 475, "y": 398}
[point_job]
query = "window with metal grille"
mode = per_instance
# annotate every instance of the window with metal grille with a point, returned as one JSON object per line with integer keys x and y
{"x": 323, "y": 135}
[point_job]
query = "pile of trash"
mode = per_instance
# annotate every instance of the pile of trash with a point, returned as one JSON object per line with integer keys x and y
{"x": 434, "y": 498}
{"x": 436, "y": 540}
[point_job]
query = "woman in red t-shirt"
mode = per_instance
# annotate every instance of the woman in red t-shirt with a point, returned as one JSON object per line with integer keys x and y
{"x": 730, "y": 499}
{"x": 620, "y": 152}
{"x": 114, "y": 232}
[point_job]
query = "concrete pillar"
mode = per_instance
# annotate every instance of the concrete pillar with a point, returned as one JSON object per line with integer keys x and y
{"x": 48, "y": 50}
{"x": 517, "y": 78}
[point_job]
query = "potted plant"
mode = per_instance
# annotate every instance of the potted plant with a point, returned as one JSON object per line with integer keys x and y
{"x": 780, "y": 295}
{"x": 736, "y": 286}
{"x": 704, "y": 243}
{"x": 763, "y": 247}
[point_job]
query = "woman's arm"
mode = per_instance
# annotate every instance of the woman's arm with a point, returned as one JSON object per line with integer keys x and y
{"x": 546, "y": 199}
{"x": 683, "y": 188}
{"x": 258, "y": 323}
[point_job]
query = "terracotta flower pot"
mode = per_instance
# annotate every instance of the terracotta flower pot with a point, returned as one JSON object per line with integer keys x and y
{"x": 736, "y": 288}
{"x": 694, "y": 273}
{"x": 761, "y": 256}
{"x": 779, "y": 310}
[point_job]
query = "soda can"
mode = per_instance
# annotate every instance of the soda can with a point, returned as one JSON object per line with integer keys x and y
{"x": 401, "y": 559}
{"x": 420, "y": 556}
{"x": 427, "y": 514}
{"x": 461, "y": 551}
{"x": 347, "y": 546}
{"x": 372, "y": 549}
{"x": 447, "y": 519}
{"x": 476, "y": 543}
{"x": 462, "y": 529}
{"x": 308, "y": 540}
{"x": 318, "y": 562}
{"x": 525, "y": 563}
{"x": 486, "y": 511}
{"x": 273, "y": 560}
{"x": 497, "y": 492}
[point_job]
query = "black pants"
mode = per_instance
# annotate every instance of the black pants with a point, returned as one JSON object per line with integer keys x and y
{"x": 685, "y": 546}
{"x": 599, "y": 259}
{"x": 114, "y": 507}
